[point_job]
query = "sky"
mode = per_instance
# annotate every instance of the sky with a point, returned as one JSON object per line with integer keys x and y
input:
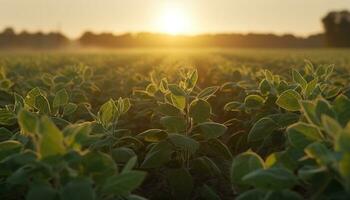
{"x": 72, "y": 17}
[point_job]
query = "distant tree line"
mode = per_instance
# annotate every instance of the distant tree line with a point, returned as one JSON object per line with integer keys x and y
{"x": 216, "y": 40}
{"x": 337, "y": 29}
{"x": 336, "y": 25}
{"x": 10, "y": 39}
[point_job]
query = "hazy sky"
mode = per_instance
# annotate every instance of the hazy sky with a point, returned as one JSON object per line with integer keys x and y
{"x": 188, "y": 16}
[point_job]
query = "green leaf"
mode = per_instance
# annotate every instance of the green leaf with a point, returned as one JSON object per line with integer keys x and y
{"x": 309, "y": 67}
{"x": 69, "y": 109}
{"x": 98, "y": 165}
{"x": 42, "y": 104}
{"x": 163, "y": 86}
{"x": 329, "y": 71}
{"x": 320, "y": 153}
{"x": 107, "y": 113}
{"x": 6, "y": 84}
{"x": 342, "y": 142}
{"x": 191, "y": 81}
{"x": 27, "y": 121}
{"x": 207, "y": 193}
{"x": 19, "y": 103}
{"x": 283, "y": 86}
{"x": 261, "y": 129}
{"x": 271, "y": 179}
{"x": 233, "y": 106}
{"x": 80, "y": 188}
{"x": 153, "y": 135}
{"x": 173, "y": 124}
{"x": 7, "y": 118}
{"x": 47, "y": 79}
{"x": 283, "y": 194}
{"x": 218, "y": 149}
{"x": 130, "y": 164}
{"x": 206, "y": 93}
{"x": 289, "y": 100}
{"x": 212, "y": 130}
{"x": 268, "y": 75}
{"x": 302, "y": 134}
{"x": 344, "y": 168}
{"x": 123, "y": 184}
{"x": 41, "y": 192}
{"x": 254, "y": 101}
{"x": 176, "y": 90}
{"x": 178, "y": 101}
{"x": 9, "y": 147}
{"x": 31, "y": 97}
{"x": 61, "y": 98}
{"x": 310, "y": 87}
{"x": 20, "y": 175}
{"x": 341, "y": 107}
{"x": 204, "y": 165}
{"x": 323, "y": 108}
{"x": 158, "y": 155}
{"x": 127, "y": 105}
{"x": 88, "y": 73}
{"x": 151, "y": 89}
{"x": 180, "y": 182}
{"x": 5, "y": 134}
{"x": 244, "y": 164}
{"x": 308, "y": 173}
{"x": 254, "y": 194}
{"x": 331, "y": 126}
{"x": 200, "y": 110}
{"x": 264, "y": 87}
{"x": 284, "y": 119}
{"x": 168, "y": 109}
{"x": 309, "y": 110}
{"x": 51, "y": 138}
{"x": 288, "y": 158}
{"x": 321, "y": 70}
{"x": 119, "y": 106}
{"x": 122, "y": 154}
{"x": 330, "y": 91}
{"x": 77, "y": 134}
{"x": 298, "y": 78}
{"x": 184, "y": 143}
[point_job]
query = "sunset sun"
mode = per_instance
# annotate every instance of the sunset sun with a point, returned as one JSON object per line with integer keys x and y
{"x": 174, "y": 20}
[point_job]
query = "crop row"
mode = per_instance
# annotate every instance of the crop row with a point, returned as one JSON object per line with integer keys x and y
{"x": 259, "y": 136}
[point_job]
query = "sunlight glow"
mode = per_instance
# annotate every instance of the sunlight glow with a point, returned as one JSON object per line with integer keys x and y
{"x": 174, "y": 20}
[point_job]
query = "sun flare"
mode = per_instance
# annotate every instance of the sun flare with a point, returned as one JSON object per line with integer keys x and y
{"x": 174, "y": 20}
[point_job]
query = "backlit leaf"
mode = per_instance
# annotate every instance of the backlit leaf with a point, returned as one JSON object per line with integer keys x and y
{"x": 289, "y": 100}
{"x": 51, "y": 138}
{"x": 200, "y": 110}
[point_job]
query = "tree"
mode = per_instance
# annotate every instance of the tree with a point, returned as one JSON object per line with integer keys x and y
{"x": 337, "y": 29}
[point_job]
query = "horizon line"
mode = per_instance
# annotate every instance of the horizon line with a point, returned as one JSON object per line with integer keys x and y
{"x": 18, "y": 31}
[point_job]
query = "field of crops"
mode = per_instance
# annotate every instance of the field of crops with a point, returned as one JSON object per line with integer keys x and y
{"x": 175, "y": 124}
